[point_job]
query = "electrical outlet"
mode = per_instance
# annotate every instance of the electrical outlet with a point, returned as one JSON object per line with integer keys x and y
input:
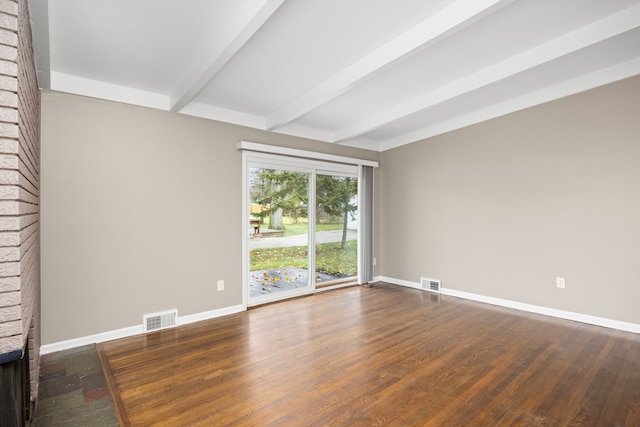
{"x": 374, "y": 261}
{"x": 221, "y": 285}
{"x": 560, "y": 282}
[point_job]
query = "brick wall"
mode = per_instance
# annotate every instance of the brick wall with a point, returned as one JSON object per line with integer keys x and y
{"x": 19, "y": 186}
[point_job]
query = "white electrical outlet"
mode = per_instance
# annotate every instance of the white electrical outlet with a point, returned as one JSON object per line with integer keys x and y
{"x": 560, "y": 282}
{"x": 221, "y": 285}
{"x": 374, "y": 261}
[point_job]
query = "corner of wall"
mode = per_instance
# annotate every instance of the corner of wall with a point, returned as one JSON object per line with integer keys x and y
{"x": 19, "y": 188}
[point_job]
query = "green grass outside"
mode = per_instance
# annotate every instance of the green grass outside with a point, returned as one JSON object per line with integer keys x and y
{"x": 330, "y": 259}
{"x": 301, "y": 227}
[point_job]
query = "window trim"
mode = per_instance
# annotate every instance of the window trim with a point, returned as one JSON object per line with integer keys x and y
{"x": 294, "y": 152}
{"x": 293, "y": 163}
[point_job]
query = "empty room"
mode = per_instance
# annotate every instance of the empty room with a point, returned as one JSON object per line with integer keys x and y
{"x": 313, "y": 212}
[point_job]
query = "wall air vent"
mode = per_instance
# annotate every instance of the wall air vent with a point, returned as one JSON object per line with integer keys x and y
{"x": 156, "y": 321}
{"x": 431, "y": 285}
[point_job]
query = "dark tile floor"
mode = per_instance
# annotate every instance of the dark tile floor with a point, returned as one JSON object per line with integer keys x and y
{"x": 72, "y": 390}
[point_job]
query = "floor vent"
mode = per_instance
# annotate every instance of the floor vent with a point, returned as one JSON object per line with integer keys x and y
{"x": 430, "y": 284}
{"x": 162, "y": 320}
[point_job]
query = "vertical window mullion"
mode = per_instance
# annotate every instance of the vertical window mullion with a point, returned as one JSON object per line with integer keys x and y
{"x": 311, "y": 217}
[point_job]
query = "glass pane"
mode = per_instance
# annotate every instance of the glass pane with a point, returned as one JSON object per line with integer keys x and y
{"x": 279, "y": 231}
{"x": 336, "y": 235}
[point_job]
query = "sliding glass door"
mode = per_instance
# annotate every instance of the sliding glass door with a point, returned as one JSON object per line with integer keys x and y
{"x": 302, "y": 226}
{"x": 279, "y": 231}
{"x": 336, "y": 228}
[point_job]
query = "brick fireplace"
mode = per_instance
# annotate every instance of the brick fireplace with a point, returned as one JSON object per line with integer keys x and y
{"x": 19, "y": 216}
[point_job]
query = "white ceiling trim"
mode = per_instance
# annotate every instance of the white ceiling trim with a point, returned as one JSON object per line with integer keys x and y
{"x": 169, "y": 61}
{"x": 571, "y": 87}
{"x": 294, "y": 152}
{"x": 367, "y": 144}
{"x": 442, "y": 24}
{"x": 212, "y": 112}
{"x": 39, "y": 12}
{"x": 295, "y": 129}
{"x": 97, "y": 89}
{"x": 586, "y": 36}
{"x": 251, "y": 17}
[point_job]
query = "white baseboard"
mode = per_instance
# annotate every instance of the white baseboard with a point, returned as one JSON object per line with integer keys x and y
{"x": 184, "y": 320}
{"x": 212, "y": 314}
{"x": 562, "y": 314}
{"x": 397, "y": 282}
{"x": 134, "y": 330}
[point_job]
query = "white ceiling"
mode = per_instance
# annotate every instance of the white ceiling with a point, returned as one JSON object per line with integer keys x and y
{"x": 374, "y": 74}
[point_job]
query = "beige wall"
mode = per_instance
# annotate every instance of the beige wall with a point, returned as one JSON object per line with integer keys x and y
{"x": 141, "y": 212}
{"x": 141, "y": 209}
{"x": 503, "y": 207}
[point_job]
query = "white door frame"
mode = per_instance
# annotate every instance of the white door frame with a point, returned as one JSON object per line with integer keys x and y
{"x": 250, "y": 159}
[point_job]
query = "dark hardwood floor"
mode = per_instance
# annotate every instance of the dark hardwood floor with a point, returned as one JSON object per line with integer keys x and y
{"x": 377, "y": 355}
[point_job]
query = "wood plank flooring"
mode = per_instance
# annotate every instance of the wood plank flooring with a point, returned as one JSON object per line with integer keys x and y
{"x": 377, "y": 355}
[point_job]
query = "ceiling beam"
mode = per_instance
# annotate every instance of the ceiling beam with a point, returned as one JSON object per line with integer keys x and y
{"x": 439, "y": 25}
{"x": 588, "y": 35}
{"x": 252, "y": 15}
{"x": 220, "y": 114}
{"x": 579, "y": 84}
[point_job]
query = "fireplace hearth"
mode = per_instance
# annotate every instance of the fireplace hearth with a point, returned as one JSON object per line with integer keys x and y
{"x": 15, "y": 405}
